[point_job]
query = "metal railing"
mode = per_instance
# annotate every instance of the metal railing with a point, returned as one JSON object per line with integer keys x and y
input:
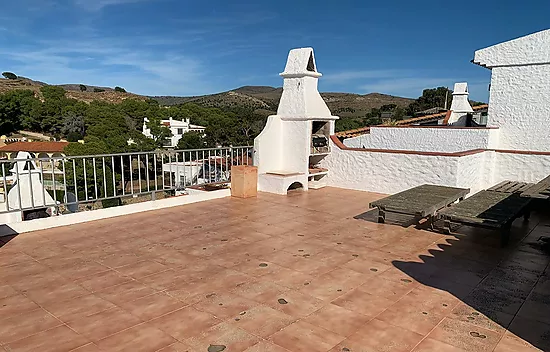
{"x": 74, "y": 183}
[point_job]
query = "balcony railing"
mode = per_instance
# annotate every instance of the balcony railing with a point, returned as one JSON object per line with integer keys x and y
{"x": 76, "y": 183}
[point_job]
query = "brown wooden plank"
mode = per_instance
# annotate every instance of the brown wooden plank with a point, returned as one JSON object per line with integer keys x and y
{"x": 499, "y": 186}
{"x": 509, "y": 188}
{"x": 516, "y": 187}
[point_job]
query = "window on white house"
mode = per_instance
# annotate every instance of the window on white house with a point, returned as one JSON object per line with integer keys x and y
{"x": 180, "y": 131}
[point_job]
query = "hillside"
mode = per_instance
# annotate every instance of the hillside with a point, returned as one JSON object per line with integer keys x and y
{"x": 261, "y": 98}
{"x": 267, "y": 99}
{"x": 72, "y": 90}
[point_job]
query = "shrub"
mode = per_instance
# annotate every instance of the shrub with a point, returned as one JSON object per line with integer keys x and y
{"x": 74, "y": 137}
{"x": 120, "y": 90}
{"x": 9, "y": 75}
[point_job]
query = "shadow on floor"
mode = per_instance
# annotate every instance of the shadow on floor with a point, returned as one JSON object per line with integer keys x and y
{"x": 391, "y": 218}
{"x": 6, "y": 234}
{"x": 500, "y": 287}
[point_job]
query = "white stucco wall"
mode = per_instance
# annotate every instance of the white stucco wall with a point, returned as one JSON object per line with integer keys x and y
{"x": 387, "y": 172}
{"x": 521, "y": 167}
{"x": 519, "y": 105}
{"x": 267, "y": 155}
{"x": 434, "y": 139}
{"x": 471, "y": 172}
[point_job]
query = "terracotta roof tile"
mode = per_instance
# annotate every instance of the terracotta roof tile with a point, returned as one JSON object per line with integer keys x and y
{"x": 35, "y": 147}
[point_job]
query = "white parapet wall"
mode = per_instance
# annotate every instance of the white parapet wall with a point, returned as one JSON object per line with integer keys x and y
{"x": 426, "y": 138}
{"x": 387, "y": 172}
{"x": 392, "y": 171}
{"x": 521, "y": 166}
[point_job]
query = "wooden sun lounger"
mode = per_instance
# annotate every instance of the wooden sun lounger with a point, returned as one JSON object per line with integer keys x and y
{"x": 420, "y": 202}
{"x": 488, "y": 209}
{"x": 540, "y": 190}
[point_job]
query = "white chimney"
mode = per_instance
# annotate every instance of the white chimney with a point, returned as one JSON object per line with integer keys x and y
{"x": 460, "y": 107}
{"x": 284, "y": 150}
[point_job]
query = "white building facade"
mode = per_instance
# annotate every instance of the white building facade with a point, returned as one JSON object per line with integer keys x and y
{"x": 177, "y": 127}
{"x": 515, "y": 144}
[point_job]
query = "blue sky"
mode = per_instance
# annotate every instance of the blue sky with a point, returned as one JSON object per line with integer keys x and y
{"x": 180, "y": 47}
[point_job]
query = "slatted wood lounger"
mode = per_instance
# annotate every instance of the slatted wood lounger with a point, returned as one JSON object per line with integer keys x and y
{"x": 540, "y": 190}
{"x": 420, "y": 202}
{"x": 493, "y": 209}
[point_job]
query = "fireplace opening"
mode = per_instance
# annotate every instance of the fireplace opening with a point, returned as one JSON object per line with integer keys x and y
{"x": 295, "y": 187}
{"x": 320, "y": 133}
{"x": 310, "y": 63}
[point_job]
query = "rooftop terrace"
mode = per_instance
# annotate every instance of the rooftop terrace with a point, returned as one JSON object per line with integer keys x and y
{"x": 303, "y": 272}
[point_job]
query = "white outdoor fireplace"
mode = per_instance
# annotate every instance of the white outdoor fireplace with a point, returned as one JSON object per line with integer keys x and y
{"x": 297, "y": 138}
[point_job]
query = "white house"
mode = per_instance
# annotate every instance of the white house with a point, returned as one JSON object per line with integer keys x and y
{"x": 177, "y": 127}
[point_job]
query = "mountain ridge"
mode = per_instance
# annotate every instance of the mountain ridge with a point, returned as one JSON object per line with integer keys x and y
{"x": 263, "y": 99}
{"x": 267, "y": 98}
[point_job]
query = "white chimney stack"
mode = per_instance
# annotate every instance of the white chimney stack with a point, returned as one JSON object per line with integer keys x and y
{"x": 460, "y": 107}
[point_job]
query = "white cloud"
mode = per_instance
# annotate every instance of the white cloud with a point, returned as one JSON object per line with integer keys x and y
{"x": 347, "y": 76}
{"x": 111, "y": 62}
{"x": 97, "y": 5}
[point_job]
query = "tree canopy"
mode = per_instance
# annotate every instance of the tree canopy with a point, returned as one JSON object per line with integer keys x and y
{"x": 9, "y": 75}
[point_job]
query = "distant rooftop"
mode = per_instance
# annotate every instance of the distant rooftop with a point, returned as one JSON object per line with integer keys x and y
{"x": 34, "y": 147}
{"x": 408, "y": 122}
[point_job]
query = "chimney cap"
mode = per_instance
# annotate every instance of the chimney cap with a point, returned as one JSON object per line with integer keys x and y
{"x": 300, "y": 63}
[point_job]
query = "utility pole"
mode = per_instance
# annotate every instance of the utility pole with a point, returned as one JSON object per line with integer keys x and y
{"x": 446, "y": 96}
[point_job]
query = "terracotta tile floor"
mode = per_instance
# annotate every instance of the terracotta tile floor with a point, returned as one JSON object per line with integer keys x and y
{"x": 305, "y": 272}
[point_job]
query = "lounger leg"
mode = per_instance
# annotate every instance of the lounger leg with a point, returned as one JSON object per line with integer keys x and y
{"x": 505, "y": 235}
{"x": 447, "y": 227}
{"x": 431, "y": 221}
{"x": 527, "y": 215}
{"x": 381, "y": 216}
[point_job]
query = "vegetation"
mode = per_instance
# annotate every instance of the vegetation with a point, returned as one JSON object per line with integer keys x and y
{"x": 107, "y": 127}
{"x": 431, "y": 98}
{"x": 391, "y": 113}
{"x": 9, "y": 75}
{"x": 238, "y": 118}
{"x": 191, "y": 140}
{"x": 98, "y": 90}
{"x": 120, "y": 90}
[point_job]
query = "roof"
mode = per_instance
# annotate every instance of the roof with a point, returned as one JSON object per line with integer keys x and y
{"x": 442, "y": 115}
{"x": 424, "y": 118}
{"x": 437, "y": 116}
{"x": 531, "y": 49}
{"x": 353, "y": 133}
{"x": 34, "y": 147}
